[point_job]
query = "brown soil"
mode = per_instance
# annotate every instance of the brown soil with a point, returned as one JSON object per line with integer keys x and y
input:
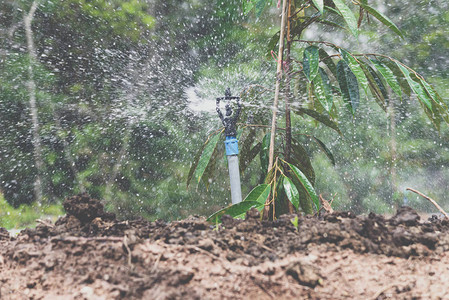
{"x": 88, "y": 254}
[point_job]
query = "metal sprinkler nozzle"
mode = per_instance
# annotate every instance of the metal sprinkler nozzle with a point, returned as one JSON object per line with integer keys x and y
{"x": 232, "y": 149}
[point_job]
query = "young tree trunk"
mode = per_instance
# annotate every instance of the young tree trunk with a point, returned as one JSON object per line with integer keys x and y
{"x": 31, "y": 85}
{"x": 288, "y": 122}
{"x": 278, "y": 83}
{"x": 266, "y": 211}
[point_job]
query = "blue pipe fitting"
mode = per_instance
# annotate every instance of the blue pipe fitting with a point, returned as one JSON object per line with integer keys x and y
{"x": 232, "y": 145}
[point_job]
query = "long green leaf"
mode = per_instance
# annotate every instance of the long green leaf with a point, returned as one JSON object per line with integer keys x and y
{"x": 440, "y": 110}
{"x": 378, "y": 80}
{"x": 348, "y": 85}
{"x": 327, "y": 60}
{"x": 322, "y": 118}
{"x": 212, "y": 166}
{"x": 260, "y": 5}
{"x": 356, "y": 69}
{"x": 375, "y": 86}
{"x": 301, "y": 159}
{"x": 245, "y": 147}
{"x": 291, "y": 191}
{"x": 205, "y": 157}
{"x": 323, "y": 90}
{"x": 416, "y": 87}
{"x": 437, "y": 100}
{"x": 308, "y": 187}
{"x": 196, "y": 160}
{"x": 389, "y": 77}
{"x": 273, "y": 43}
{"x": 325, "y": 149}
{"x": 347, "y": 15}
{"x": 233, "y": 210}
{"x": 319, "y": 4}
{"x": 311, "y": 62}
{"x": 248, "y": 5}
{"x": 256, "y": 198}
{"x": 249, "y": 157}
{"x": 259, "y": 194}
{"x": 391, "y": 64}
{"x": 381, "y": 17}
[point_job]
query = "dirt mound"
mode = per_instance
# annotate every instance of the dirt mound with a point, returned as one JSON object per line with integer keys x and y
{"x": 85, "y": 209}
{"x": 4, "y": 234}
{"x": 88, "y": 254}
{"x": 86, "y": 217}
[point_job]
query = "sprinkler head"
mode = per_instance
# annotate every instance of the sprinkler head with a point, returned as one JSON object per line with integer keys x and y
{"x": 228, "y": 110}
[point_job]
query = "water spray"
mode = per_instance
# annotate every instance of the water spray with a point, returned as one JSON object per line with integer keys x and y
{"x": 231, "y": 143}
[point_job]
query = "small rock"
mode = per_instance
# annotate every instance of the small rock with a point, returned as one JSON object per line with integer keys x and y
{"x": 306, "y": 274}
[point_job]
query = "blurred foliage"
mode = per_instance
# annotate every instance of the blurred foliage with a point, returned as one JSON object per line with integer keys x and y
{"x": 26, "y": 215}
{"x": 111, "y": 79}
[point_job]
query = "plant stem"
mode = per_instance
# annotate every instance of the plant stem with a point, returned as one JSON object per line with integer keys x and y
{"x": 278, "y": 84}
{"x": 288, "y": 121}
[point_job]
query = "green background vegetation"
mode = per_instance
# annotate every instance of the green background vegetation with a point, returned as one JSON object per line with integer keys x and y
{"x": 115, "y": 121}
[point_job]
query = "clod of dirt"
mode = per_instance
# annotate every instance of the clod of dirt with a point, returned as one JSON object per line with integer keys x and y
{"x": 4, "y": 234}
{"x": 306, "y": 274}
{"x": 406, "y": 215}
{"x": 86, "y": 209}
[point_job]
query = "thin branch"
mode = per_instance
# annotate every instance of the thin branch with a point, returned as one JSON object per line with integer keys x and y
{"x": 431, "y": 201}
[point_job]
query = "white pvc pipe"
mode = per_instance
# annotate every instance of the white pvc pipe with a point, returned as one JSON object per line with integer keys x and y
{"x": 234, "y": 176}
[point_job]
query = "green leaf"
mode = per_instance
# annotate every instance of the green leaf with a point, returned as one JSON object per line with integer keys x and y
{"x": 347, "y": 15}
{"x": 399, "y": 76}
{"x": 291, "y": 191}
{"x": 323, "y": 90}
{"x": 416, "y": 87}
{"x": 322, "y": 118}
{"x": 248, "y": 5}
{"x": 206, "y": 157}
{"x": 211, "y": 167}
{"x": 197, "y": 159}
{"x": 246, "y": 159}
{"x": 327, "y": 60}
{"x": 440, "y": 110}
{"x": 301, "y": 159}
{"x": 319, "y": 4}
{"x": 260, "y": 5}
{"x": 348, "y": 85}
{"x": 273, "y": 43}
{"x": 381, "y": 17}
{"x": 356, "y": 69}
{"x": 378, "y": 80}
{"x": 325, "y": 149}
{"x": 308, "y": 187}
{"x": 256, "y": 198}
{"x": 311, "y": 62}
{"x": 233, "y": 210}
{"x": 245, "y": 147}
{"x": 259, "y": 194}
{"x": 376, "y": 86}
{"x": 388, "y": 75}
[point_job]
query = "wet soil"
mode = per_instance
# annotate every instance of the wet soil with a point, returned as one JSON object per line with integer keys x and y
{"x": 89, "y": 254}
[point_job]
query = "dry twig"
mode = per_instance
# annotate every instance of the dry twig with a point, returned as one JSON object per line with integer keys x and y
{"x": 431, "y": 201}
